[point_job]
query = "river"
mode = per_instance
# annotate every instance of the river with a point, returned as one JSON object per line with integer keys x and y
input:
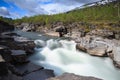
{"x": 62, "y": 56}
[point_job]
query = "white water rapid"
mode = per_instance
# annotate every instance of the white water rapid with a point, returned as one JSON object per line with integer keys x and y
{"x": 62, "y": 56}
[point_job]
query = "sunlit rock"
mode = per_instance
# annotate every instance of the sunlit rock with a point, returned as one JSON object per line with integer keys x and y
{"x": 70, "y": 76}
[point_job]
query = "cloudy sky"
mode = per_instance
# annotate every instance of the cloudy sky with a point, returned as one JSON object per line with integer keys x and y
{"x": 20, "y": 8}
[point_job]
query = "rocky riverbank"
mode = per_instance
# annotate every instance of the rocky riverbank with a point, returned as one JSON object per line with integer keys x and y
{"x": 95, "y": 44}
{"x": 14, "y": 63}
{"x": 107, "y": 30}
{"x": 14, "y": 53}
{"x": 100, "y": 39}
{"x": 70, "y": 76}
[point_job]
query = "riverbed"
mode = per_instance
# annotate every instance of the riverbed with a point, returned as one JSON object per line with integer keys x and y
{"x": 62, "y": 56}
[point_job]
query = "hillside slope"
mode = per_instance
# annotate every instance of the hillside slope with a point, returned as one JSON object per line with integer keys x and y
{"x": 109, "y": 12}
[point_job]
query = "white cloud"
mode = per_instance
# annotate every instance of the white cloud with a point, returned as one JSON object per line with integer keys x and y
{"x": 72, "y": 2}
{"x": 15, "y": 15}
{"x": 4, "y": 12}
{"x": 30, "y": 5}
{"x": 34, "y": 7}
{"x": 57, "y": 8}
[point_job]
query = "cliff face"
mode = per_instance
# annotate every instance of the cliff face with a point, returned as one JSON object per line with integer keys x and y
{"x": 4, "y": 26}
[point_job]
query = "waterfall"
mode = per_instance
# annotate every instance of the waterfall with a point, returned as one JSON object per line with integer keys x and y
{"x": 62, "y": 56}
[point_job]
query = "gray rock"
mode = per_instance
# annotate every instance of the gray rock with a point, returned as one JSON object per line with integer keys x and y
{"x": 97, "y": 48}
{"x": 39, "y": 75}
{"x": 21, "y": 39}
{"x": 1, "y": 59}
{"x": 117, "y": 36}
{"x": 83, "y": 43}
{"x": 28, "y": 47}
{"x": 6, "y": 37}
{"x": 62, "y": 30}
{"x": 6, "y": 53}
{"x": 81, "y": 47}
{"x": 4, "y": 26}
{"x": 19, "y": 56}
{"x": 70, "y": 76}
{"x": 28, "y": 68}
{"x": 40, "y": 43}
{"x": 102, "y": 33}
{"x": 9, "y": 34}
{"x": 27, "y": 26}
{"x": 116, "y": 56}
{"x": 3, "y": 67}
{"x": 10, "y": 76}
{"x": 99, "y": 51}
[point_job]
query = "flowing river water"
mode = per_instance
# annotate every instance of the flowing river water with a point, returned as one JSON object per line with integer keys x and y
{"x": 62, "y": 56}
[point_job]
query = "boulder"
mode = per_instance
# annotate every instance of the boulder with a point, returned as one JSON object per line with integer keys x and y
{"x": 94, "y": 46}
{"x": 27, "y": 26}
{"x": 39, "y": 75}
{"x": 81, "y": 47}
{"x": 117, "y": 36}
{"x": 9, "y": 34}
{"x": 29, "y": 47}
{"x": 99, "y": 51}
{"x": 21, "y": 39}
{"x": 4, "y": 26}
{"x": 25, "y": 44}
{"x": 19, "y": 56}
{"x": 14, "y": 70}
{"x": 102, "y": 33}
{"x": 97, "y": 48}
{"x": 3, "y": 67}
{"x": 20, "y": 43}
{"x": 6, "y": 53}
{"x": 40, "y": 43}
{"x": 83, "y": 43}
{"x": 6, "y": 37}
{"x": 116, "y": 56}
{"x": 28, "y": 68}
{"x": 70, "y": 76}
{"x": 62, "y": 30}
{"x": 10, "y": 76}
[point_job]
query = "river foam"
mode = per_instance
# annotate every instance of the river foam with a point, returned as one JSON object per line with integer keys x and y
{"x": 62, "y": 56}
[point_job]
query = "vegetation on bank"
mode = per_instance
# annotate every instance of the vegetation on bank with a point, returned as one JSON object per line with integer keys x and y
{"x": 105, "y": 16}
{"x": 7, "y": 20}
{"x": 99, "y": 13}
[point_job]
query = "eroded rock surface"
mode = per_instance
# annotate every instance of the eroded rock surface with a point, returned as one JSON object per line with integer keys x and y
{"x": 70, "y": 76}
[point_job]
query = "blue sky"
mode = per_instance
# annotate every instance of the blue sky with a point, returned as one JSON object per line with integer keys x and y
{"x": 11, "y": 10}
{"x": 20, "y": 8}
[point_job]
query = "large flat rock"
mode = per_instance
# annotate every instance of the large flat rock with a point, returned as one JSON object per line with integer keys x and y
{"x": 70, "y": 76}
{"x": 10, "y": 76}
{"x": 21, "y": 39}
{"x": 19, "y": 56}
{"x": 28, "y": 67}
{"x": 5, "y": 53}
{"x": 1, "y": 59}
{"x": 18, "y": 52}
{"x": 99, "y": 51}
{"x": 3, "y": 67}
{"x": 116, "y": 56}
{"x": 39, "y": 75}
